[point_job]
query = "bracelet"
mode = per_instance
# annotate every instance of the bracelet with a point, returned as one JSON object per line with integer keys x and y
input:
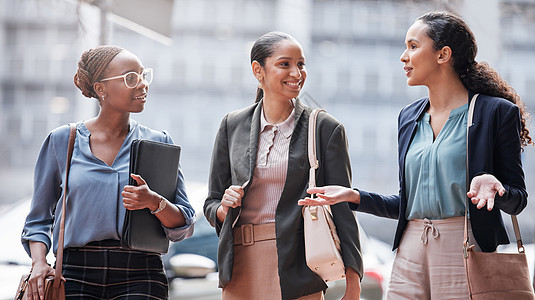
{"x": 161, "y": 205}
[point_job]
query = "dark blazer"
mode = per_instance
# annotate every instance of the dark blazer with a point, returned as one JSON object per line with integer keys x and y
{"x": 233, "y": 163}
{"x": 493, "y": 148}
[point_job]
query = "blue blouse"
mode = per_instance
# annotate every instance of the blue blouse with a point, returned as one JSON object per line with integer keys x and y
{"x": 435, "y": 170}
{"x": 94, "y": 203}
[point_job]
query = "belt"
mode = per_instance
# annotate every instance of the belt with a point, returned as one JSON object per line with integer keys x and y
{"x": 248, "y": 234}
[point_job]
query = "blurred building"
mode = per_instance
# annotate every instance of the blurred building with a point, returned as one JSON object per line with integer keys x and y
{"x": 352, "y": 49}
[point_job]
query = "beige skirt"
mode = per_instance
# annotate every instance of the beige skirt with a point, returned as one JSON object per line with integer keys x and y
{"x": 255, "y": 273}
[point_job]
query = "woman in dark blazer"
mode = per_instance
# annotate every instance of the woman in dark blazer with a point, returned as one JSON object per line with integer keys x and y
{"x": 430, "y": 207}
{"x": 260, "y": 170}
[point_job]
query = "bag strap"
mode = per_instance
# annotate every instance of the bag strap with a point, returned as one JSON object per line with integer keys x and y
{"x": 59, "y": 254}
{"x": 516, "y": 228}
{"x": 312, "y": 158}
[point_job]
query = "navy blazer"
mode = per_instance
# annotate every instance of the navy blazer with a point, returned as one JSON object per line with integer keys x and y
{"x": 233, "y": 163}
{"x": 494, "y": 147}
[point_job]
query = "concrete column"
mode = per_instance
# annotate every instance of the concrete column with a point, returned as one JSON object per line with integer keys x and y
{"x": 90, "y": 38}
{"x": 293, "y": 17}
{"x": 105, "y": 27}
{"x": 483, "y": 17}
{"x": 3, "y": 62}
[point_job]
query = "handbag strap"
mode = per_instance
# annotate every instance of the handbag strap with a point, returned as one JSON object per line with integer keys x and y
{"x": 59, "y": 254}
{"x": 516, "y": 228}
{"x": 312, "y": 158}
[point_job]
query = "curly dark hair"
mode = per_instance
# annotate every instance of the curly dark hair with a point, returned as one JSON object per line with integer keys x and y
{"x": 446, "y": 29}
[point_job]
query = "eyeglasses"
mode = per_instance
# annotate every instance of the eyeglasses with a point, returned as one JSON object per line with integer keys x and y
{"x": 132, "y": 79}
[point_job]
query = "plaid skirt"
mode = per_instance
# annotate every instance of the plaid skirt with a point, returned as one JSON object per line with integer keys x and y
{"x": 105, "y": 270}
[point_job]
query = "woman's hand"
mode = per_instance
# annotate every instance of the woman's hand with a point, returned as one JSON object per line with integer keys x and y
{"x": 140, "y": 196}
{"x": 231, "y": 198}
{"x": 36, "y": 289}
{"x": 483, "y": 189}
{"x": 40, "y": 270}
{"x": 331, "y": 194}
{"x": 352, "y": 285}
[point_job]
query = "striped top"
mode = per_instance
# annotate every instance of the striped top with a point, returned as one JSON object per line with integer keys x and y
{"x": 262, "y": 198}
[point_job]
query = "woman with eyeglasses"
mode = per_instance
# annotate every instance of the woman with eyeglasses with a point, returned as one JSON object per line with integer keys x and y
{"x": 94, "y": 263}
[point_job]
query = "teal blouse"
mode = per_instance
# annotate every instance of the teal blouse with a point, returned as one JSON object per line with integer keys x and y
{"x": 435, "y": 170}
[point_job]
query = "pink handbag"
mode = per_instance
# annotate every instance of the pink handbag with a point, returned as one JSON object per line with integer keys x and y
{"x": 322, "y": 245}
{"x": 492, "y": 275}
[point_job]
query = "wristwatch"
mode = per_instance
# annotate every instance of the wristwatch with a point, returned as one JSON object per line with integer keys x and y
{"x": 161, "y": 206}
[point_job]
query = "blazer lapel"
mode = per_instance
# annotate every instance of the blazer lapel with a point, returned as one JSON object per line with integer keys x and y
{"x": 407, "y": 135}
{"x": 254, "y": 135}
{"x": 297, "y": 157}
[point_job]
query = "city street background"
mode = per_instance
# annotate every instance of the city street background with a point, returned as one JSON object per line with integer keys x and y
{"x": 202, "y": 71}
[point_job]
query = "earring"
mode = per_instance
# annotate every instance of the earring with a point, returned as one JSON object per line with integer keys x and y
{"x": 103, "y": 97}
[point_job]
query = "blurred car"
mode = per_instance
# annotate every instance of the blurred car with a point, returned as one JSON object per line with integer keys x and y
{"x": 14, "y": 262}
{"x": 196, "y": 256}
{"x": 203, "y": 243}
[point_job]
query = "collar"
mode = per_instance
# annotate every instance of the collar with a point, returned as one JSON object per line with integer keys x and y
{"x": 286, "y": 127}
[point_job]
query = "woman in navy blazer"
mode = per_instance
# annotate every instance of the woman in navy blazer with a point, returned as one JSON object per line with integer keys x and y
{"x": 440, "y": 54}
{"x": 260, "y": 170}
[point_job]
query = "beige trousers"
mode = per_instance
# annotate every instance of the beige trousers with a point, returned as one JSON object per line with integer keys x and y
{"x": 255, "y": 274}
{"x": 429, "y": 261}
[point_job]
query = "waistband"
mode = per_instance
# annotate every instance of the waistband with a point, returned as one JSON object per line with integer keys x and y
{"x": 107, "y": 245}
{"x": 248, "y": 234}
{"x": 436, "y": 227}
{"x": 453, "y": 221}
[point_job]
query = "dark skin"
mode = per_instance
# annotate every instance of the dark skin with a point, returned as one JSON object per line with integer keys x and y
{"x": 108, "y": 132}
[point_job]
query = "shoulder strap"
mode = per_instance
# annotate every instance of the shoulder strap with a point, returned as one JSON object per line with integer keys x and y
{"x": 516, "y": 228}
{"x": 312, "y": 158}
{"x": 59, "y": 255}
{"x": 466, "y": 243}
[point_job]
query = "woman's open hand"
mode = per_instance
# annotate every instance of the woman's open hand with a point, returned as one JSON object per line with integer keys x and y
{"x": 483, "y": 189}
{"x": 331, "y": 194}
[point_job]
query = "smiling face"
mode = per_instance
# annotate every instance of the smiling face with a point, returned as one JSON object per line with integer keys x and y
{"x": 117, "y": 95}
{"x": 283, "y": 74}
{"x": 420, "y": 58}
